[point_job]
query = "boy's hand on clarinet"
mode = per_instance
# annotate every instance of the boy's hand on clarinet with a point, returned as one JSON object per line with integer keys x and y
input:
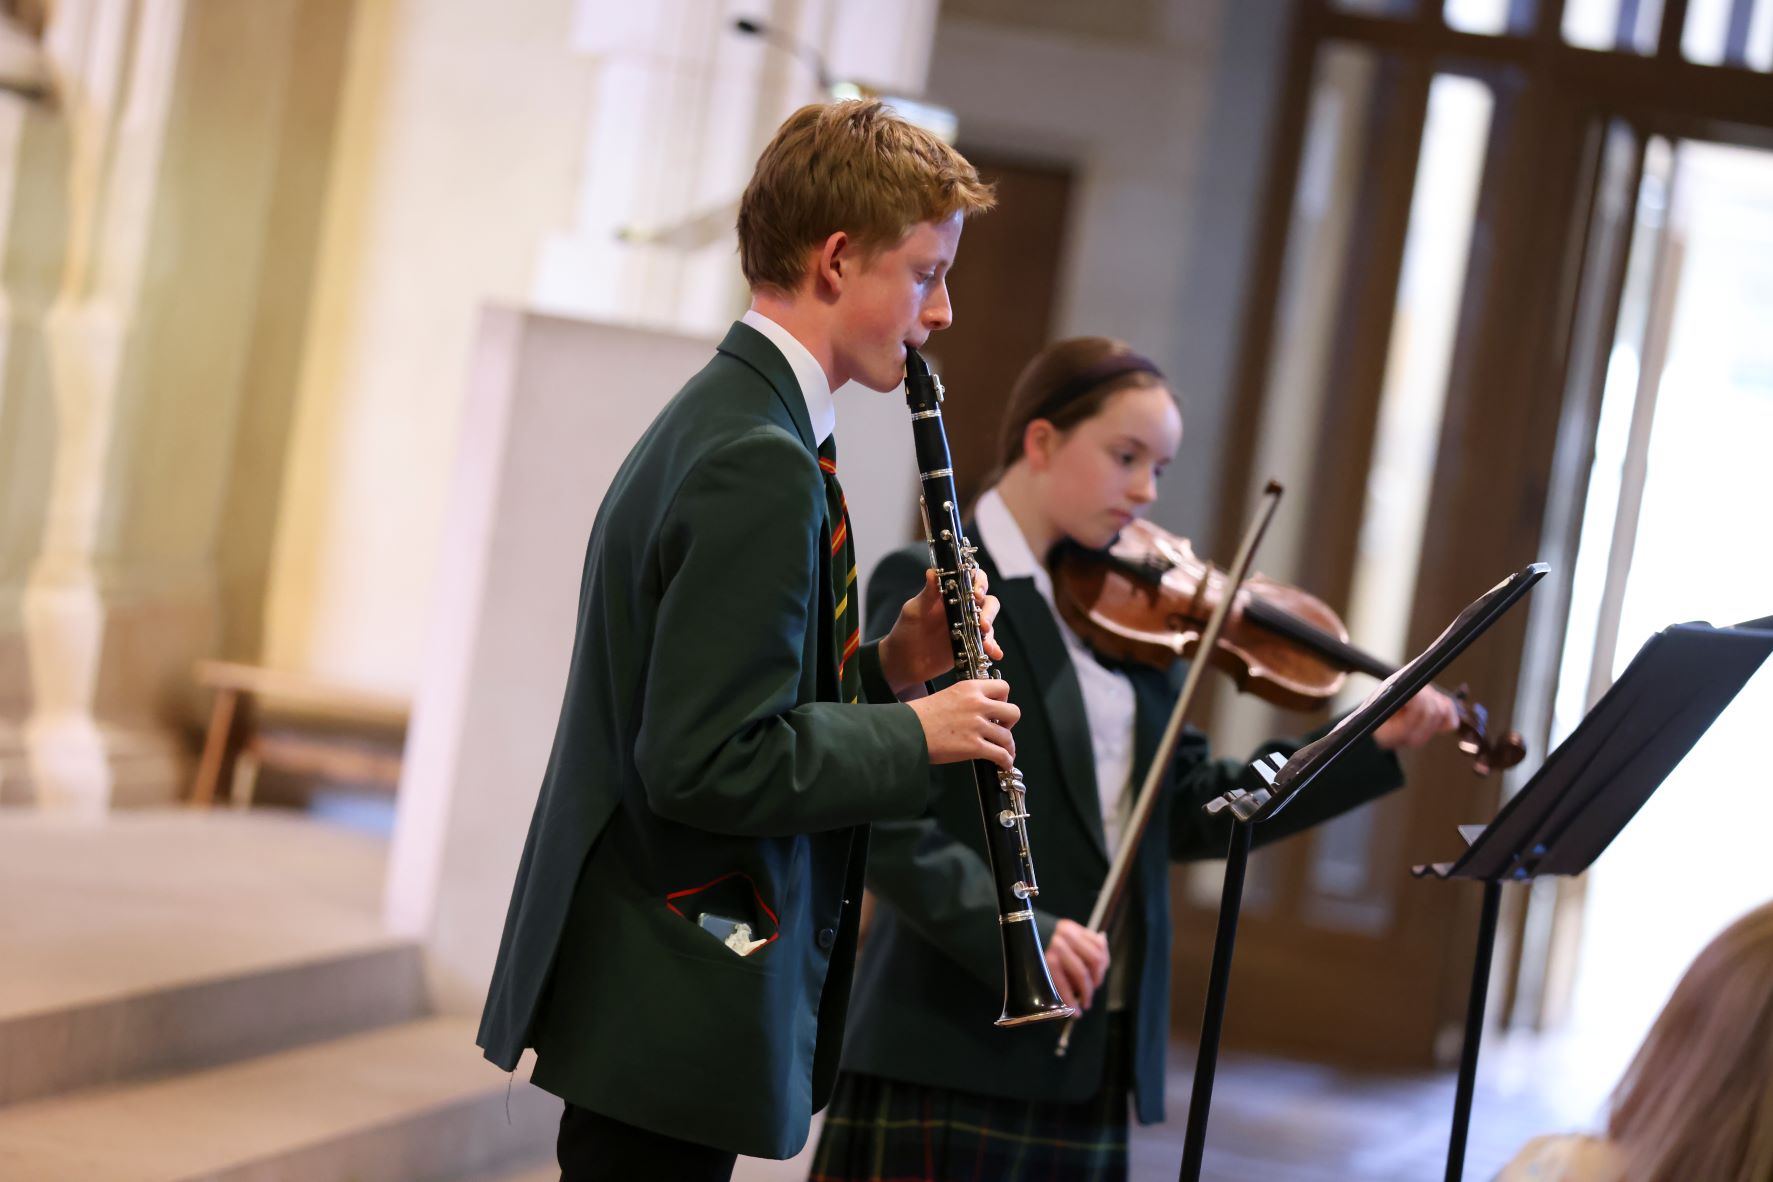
{"x": 1078, "y": 958}
{"x": 969, "y": 720}
{"x": 919, "y": 648}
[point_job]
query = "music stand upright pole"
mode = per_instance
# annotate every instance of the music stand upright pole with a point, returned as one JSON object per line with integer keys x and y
{"x": 1206, "y": 1061}
{"x": 1474, "y": 1030}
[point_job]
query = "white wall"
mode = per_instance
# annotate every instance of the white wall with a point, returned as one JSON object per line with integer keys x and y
{"x": 541, "y": 439}
{"x": 1128, "y": 115}
{"x": 456, "y": 154}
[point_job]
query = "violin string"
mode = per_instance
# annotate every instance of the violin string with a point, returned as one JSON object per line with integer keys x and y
{"x": 1262, "y": 612}
{"x": 1275, "y": 619}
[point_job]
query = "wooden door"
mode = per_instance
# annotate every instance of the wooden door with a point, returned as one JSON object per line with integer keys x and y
{"x": 1416, "y": 364}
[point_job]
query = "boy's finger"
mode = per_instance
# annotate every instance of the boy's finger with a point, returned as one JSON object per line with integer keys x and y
{"x": 994, "y": 687}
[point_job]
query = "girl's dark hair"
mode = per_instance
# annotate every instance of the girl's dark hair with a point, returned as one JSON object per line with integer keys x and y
{"x": 1066, "y": 383}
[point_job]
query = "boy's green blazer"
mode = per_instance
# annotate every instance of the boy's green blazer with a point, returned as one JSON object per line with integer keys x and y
{"x": 929, "y": 982}
{"x": 703, "y": 766}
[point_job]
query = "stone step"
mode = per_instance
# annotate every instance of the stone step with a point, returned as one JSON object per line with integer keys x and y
{"x": 409, "y": 1102}
{"x": 201, "y": 1023}
{"x": 167, "y": 939}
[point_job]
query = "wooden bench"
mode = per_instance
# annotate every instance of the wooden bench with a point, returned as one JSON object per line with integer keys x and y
{"x": 266, "y": 718}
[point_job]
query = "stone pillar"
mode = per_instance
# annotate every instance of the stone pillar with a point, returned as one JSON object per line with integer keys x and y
{"x": 105, "y": 69}
{"x": 33, "y": 171}
{"x": 170, "y": 110}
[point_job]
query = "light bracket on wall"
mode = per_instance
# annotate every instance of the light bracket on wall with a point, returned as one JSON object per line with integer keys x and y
{"x": 930, "y": 116}
{"x": 707, "y": 226}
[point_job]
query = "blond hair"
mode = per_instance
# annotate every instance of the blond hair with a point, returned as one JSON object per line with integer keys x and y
{"x": 1697, "y": 1100}
{"x": 852, "y": 166}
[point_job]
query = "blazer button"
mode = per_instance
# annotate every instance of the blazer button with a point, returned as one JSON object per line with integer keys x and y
{"x": 827, "y": 937}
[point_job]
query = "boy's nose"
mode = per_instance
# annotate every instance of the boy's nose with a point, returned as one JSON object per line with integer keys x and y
{"x": 938, "y": 313}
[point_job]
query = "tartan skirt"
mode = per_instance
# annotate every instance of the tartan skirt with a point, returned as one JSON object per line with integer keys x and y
{"x": 883, "y": 1130}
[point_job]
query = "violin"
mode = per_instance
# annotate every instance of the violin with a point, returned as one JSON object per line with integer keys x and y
{"x": 1148, "y": 597}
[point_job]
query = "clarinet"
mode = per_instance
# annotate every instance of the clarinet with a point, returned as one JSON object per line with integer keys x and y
{"x": 1028, "y": 990}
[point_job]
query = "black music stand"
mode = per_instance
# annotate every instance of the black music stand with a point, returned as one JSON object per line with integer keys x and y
{"x": 1590, "y": 787}
{"x": 1283, "y": 780}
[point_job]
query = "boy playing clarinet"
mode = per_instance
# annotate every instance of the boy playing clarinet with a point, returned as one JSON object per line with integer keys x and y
{"x": 681, "y": 935}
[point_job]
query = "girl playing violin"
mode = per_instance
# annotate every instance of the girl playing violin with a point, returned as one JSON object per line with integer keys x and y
{"x": 930, "y": 1088}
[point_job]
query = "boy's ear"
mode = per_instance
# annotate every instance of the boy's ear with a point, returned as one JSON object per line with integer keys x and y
{"x": 834, "y": 262}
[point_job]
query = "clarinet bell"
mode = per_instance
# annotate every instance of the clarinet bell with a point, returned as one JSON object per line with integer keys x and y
{"x": 1028, "y": 992}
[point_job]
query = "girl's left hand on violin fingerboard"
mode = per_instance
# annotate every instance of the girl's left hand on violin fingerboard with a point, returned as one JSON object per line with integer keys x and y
{"x": 1424, "y": 716}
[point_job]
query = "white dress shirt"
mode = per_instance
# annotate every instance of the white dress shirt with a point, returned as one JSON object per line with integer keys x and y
{"x": 1107, "y": 695}
{"x": 815, "y": 387}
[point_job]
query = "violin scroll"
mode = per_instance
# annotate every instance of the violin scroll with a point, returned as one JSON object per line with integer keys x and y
{"x": 1487, "y": 754}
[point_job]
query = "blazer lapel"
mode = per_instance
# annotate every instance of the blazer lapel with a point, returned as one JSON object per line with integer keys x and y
{"x": 760, "y": 353}
{"x": 1027, "y": 623}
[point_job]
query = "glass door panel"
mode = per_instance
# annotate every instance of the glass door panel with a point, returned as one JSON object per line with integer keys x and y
{"x": 1629, "y": 26}
{"x": 1337, "y": 155}
{"x": 1489, "y": 16}
{"x": 1697, "y": 551}
{"x": 1400, "y": 480}
{"x": 1729, "y": 32}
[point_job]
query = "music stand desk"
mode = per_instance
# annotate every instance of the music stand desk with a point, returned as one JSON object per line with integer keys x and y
{"x": 1590, "y": 787}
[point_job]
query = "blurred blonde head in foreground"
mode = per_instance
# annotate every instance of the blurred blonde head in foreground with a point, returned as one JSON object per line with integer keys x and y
{"x": 1697, "y": 1101}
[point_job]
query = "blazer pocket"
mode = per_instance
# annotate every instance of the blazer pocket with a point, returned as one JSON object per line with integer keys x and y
{"x": 728, "y": 913}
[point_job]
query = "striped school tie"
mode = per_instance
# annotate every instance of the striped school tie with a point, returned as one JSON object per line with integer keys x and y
{"x": 848, "y": 613}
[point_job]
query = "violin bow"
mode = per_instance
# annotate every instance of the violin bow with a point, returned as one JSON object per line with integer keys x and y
{"x": 1146, "y": 803}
